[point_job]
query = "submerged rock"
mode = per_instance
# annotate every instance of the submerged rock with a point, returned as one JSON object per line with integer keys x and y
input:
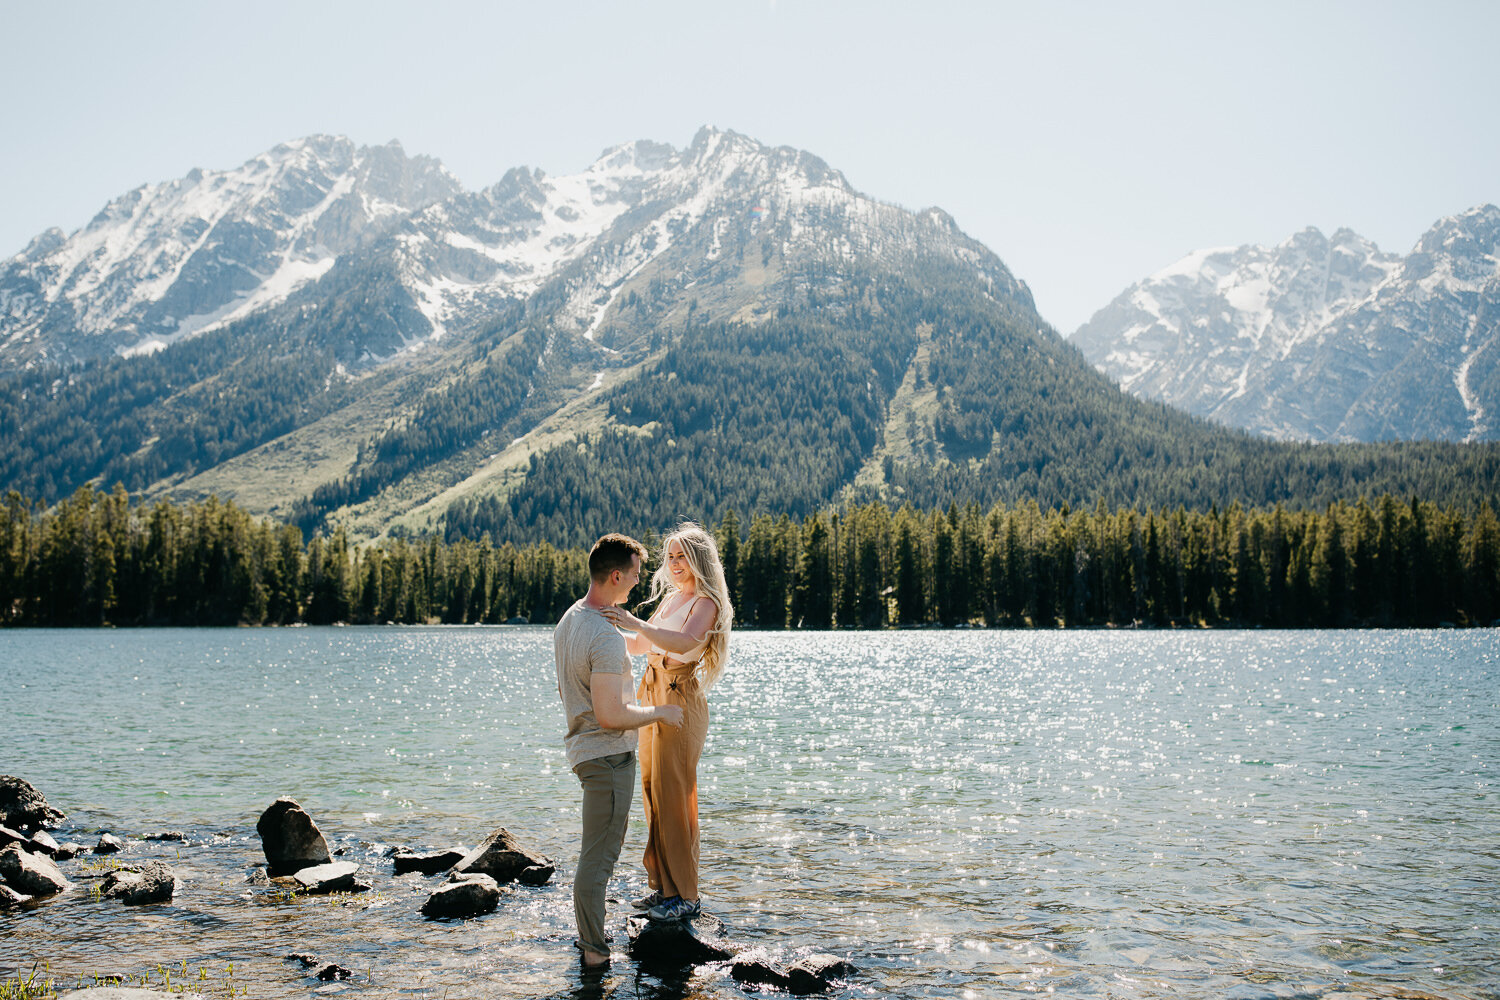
{"x": 22, "y": 807}
{"x": 430, "y": 863}
{"x": 335, "y": 877}
{"x": 502, "y": 857}
{"x": 759, "y": 969}
{"x": 813, "y": 974}
{"x": 153, "y": 883}
{"x": 469, "y": 895}
{"x": 817, "y": 973}
{"x": 30, "y": 874}
{"x": 109, "y": 844}
{"x": 678, "y": 943}
{"x": 327, "y": 971}
{"x": 291, "y": 840}
{"x": 176, "y": 835}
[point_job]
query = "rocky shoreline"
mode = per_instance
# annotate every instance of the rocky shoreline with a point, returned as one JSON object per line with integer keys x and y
{"x": 299, "y": 862}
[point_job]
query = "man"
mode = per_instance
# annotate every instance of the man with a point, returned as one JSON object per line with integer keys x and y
{"x": 593, "y": 679}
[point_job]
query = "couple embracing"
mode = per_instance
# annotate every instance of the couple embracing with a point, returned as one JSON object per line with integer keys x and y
{"x": 663, "y": 723}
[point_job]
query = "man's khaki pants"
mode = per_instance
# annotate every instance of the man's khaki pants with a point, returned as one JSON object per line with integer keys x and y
{"x": 608, "y": 783}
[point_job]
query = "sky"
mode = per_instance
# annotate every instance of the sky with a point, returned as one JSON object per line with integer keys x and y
{"x": 1088, "y": 144}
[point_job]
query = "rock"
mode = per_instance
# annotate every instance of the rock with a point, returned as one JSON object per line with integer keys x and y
{"x": 69, "y": 851}
{"x": 176, "y": 835}
{"x": 10, "y": 897}
{"x": 759, "y": 970}
{"x": 153, "y": 883}
{"x": 335, "y": 877}
{"x": 502, "y": 858}
{"x": 471, "y": 895}
{"x": 22, "y": 807}
{"x": 817, "y": 973}
{"x": 678, "y": 943}
{"x": 290, "y": 838}
{"x": 109, "y": 844}
{"x": 256, "y": 876}
{"x": 307, "y": 959}
{"x": 30, "y": 874}
{"x": 42, "y": 843}
{"x": 431, "y": 863}
{"x": 330, "y": 972}
{"x": 9, "y": 836}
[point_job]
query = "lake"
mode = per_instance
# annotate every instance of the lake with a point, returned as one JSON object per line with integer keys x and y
{"x": 960, "y": 813}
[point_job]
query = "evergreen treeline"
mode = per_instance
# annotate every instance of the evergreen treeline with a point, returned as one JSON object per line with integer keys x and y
{"x": 94, "y": 559}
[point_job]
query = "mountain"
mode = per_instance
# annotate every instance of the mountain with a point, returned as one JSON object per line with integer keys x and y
{"x": 1324, "y": 339}
{"x": 667, "y": 333}
{"x": 167, "y": 261}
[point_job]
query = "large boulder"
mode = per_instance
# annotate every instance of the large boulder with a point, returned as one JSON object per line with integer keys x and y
{"x": 291, "y": 840}
{"x": 678, "y": 943}
{"x": 22, "y": 807}
{"x": 30, "y": 874}
{"x": 503, "y": 858}
{"x": 468, "y": 895}
{"x": 154, "y": 883}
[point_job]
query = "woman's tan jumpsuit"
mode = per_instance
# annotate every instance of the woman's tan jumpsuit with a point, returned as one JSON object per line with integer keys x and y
{"x": 669, "y": 776}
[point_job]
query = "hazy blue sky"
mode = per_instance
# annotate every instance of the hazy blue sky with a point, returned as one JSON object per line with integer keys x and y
{"x": 1088, "y": 144}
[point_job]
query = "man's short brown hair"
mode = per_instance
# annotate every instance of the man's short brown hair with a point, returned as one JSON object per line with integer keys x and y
{"x": 613, "y": 552}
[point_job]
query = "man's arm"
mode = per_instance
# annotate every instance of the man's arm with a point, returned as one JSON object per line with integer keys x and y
{"x": 614, "y": 712}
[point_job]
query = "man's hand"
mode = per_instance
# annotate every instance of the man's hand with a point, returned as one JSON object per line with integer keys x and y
{"x": 670, "y": 714}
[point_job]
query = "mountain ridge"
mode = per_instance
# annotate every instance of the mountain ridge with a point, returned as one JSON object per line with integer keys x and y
{"x": 1320, "y": 338}
{"x": 729, "y": 325}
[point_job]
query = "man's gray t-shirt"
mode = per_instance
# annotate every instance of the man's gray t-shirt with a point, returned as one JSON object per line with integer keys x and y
{"x": 585, "y": 643}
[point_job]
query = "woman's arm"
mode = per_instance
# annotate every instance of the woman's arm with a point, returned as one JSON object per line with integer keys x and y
{"x": 637, "y": 643}
{"x": 700, "y": 619}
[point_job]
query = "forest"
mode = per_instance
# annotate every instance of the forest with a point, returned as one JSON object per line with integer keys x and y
{"x": 97, "y": 559}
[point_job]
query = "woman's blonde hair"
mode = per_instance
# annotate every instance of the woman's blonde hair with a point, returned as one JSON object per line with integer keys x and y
{"x": 708, "y": 571}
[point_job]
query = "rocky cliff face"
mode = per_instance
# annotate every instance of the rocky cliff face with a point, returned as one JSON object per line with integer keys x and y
{"x": 1320, "y": 339}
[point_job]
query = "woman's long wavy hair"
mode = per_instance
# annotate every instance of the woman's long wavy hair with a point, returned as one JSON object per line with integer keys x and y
{"x": 703, "y": 559}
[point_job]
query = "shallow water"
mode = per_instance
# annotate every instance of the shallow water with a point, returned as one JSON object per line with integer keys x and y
{"x": 971, "y": 813}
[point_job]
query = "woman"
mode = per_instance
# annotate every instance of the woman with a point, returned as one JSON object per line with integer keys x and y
{"x": 686, "y": 642}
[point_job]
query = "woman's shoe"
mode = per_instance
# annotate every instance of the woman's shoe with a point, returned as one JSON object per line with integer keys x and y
{"x": 675, "y": 908}
{"x": 649, "y": 900}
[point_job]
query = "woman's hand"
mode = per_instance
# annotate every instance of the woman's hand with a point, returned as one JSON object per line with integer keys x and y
{"x": 622, "y": 619}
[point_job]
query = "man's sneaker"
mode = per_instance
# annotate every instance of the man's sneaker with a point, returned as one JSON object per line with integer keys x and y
{"x": 649, "y": 900}
{"x": 675, "y": 908}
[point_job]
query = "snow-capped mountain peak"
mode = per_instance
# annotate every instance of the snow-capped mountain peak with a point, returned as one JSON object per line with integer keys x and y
{"x": 169, "y": 260}
{"x": 1323, "y": 338}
